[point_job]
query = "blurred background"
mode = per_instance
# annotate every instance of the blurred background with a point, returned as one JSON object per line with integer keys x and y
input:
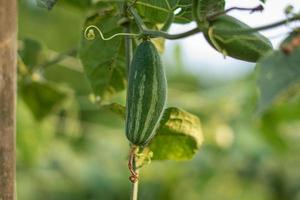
{"x": 74, "y": 150}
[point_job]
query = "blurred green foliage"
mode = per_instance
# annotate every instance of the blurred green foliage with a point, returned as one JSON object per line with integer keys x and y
{"x": 79, "y": 151}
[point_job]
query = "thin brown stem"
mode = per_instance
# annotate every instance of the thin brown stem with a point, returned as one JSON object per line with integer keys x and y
{"x": 252, "y": 10}
{"x": 128, "y": 39}
{"x": 132, "y": 165}
{"x": 59, "y": 58}
{"x": 196, "y": 30}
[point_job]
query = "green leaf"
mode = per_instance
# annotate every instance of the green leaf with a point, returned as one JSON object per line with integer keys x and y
{"x": 288, "y": 41}
{"x": 40, "y": 97}
{"x": 278, "y": 116}
{"x": 49, "y": 4}
{"x": 210, "y": 7}
{"x": 75, "y": 79}
{"x": 206, "y": 7}
{"x": 46, "y": 3}
{"x": 270, "y": 131}
{"x": 32, "y": 53}
{"x": 79, "y": 4}
{"x": 104, "y": 60}
{"x": 158, "y": 11}
{"x": 278, "y": 73}
{"x": 179, "y": 136}
{"x": 185, "y": 12}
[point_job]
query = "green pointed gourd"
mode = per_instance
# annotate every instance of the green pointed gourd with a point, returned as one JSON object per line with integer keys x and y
{"x": 248, "y": 47}
{"x": 146, "y": 94}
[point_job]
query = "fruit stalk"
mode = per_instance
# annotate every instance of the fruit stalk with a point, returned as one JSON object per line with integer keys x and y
{"x": 134, "y": 178}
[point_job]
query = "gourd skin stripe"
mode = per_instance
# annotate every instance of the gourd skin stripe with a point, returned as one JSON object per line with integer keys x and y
{"x": 215, "y": 43}
{"x": 146, "y": 94}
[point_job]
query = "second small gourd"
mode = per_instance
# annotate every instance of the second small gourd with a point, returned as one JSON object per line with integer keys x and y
{"x": 248, "y": 47}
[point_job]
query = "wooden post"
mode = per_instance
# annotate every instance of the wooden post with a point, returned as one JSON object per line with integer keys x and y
{"x": 8, "y": 52}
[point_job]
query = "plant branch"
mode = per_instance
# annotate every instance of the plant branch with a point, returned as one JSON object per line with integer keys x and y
{"x": 128, "y": 39}
{"x": 196, "y": 13}
{"x": 59, "y": 57}
{"x": 252, "y": 10}
{"x": 154, "y": 34}
{"x": 260, "y": 28}
{"x": 196, "y": 30}
{"x": 168, "y": 23}
{"x": 138, "y": 20}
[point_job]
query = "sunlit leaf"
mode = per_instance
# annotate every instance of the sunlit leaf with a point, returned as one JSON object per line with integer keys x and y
{"x": 159, "y": 44}
{"x": 178, "y": 137}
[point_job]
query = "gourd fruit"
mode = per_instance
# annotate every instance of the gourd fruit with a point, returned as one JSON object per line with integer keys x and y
{"x": 248, "y": 47}
{"x": 146, "y": 94}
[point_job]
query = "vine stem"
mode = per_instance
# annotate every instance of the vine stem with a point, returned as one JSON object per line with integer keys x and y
{"x": 128, "y": 39}
{"x": 260, "y": 28}
{"x": 196, "y": 13}
{"x": 154, "y": 34}
{"x": 59, "y": 57}
{"x": 168, "y": 22}
{"x": 137, "y": 18}
{"x": 223, "y": 31}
